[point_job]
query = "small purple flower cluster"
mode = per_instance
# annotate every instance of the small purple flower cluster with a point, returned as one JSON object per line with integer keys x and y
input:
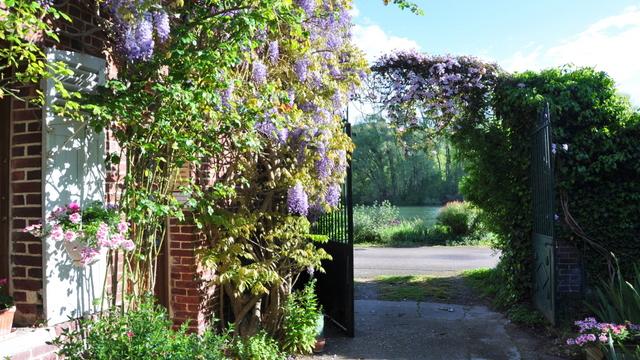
{"x": 594, "y": 332}
{"x": 135, "y": 25}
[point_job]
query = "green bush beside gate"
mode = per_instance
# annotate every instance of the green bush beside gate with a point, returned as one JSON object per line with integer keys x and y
{"x": 598, "y": 169}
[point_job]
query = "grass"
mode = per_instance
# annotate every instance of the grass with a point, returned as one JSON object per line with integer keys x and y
{"x": 427, "y": 214}
{"x": 485, "y": 281}
{"x": 413, "y": 287}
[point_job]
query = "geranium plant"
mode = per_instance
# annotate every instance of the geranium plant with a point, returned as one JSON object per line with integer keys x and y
{"x": 6, "y": 301}
{"x": 87, "y": 232}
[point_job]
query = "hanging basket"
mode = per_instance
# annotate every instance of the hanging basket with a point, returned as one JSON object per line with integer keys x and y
{"x": 6, "y": 320}
{"x": 74, "y": 249}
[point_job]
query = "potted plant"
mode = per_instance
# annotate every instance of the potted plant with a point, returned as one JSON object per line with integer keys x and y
{"x": 86, "y": 233}
{"x": 320, "y": 339}
{"x": 7, "y": 309}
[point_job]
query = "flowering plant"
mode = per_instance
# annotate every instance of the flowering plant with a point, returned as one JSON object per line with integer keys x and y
{"x": 86, "y": 232}
{"x": 596, "y": 333}
{"x": 6, "y": 301}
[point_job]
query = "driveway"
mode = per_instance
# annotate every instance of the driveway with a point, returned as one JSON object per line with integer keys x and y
{"x": 432, "y": 260}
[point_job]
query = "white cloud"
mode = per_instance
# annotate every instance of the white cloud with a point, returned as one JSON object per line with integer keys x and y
{"x": 354, "y": 12}
{"x": 374, "y": 41}
{"x": 610, "y": 44}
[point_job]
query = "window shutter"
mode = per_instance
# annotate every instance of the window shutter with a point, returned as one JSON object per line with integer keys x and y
{"x": 73, "y": 170}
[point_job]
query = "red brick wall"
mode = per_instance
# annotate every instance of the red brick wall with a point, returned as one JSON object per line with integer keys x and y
{"x": 26, "y": 200}
{"x": 188, "y": 298}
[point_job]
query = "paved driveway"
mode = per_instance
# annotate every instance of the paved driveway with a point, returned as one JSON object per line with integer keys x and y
{"x": 438, "y": 260}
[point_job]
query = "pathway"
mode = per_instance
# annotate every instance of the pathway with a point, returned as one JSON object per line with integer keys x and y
{"x": 427, "y": 330}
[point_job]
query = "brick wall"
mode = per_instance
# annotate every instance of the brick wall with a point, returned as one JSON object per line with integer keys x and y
{"x": 26, "y": 200}
{"x": 26, "y": 170}
{"x": 569, "y": 271}
{"x": 188, "y": 298}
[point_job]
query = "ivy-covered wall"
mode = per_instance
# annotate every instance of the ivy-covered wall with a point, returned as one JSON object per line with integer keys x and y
{"x": 597, "y": 160}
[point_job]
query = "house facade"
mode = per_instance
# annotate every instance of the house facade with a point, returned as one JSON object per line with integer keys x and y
{"x": 48, "y": 161}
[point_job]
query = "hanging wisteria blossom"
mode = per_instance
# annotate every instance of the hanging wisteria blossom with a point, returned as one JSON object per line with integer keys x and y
{"x": 297, "y": 200}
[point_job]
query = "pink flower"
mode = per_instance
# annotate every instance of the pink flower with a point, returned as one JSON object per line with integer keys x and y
{"x": 603, "y": 338}
{"x": 3, "y": 282}
{"x": 33, "y": 229}
{"x": 117, "y": 240}
{"x": 70, "y": 235}
{"x": 87, "y": 254}
{"x": 74, "y": 207}
{"x": 57, "y": 233}
{"x": 123, "y": 226}
{"x": 130, "y": 334}
{"x": 128, "y": 245}
{"x": 75, "y": 218}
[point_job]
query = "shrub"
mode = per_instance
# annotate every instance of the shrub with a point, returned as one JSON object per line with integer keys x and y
{"x": 258, "y": 347}
{"x": 300, "y": 320}
{"x": 144, "y": 333}
{"x": 460, "y": 217}
{"x": 368, "y": 221}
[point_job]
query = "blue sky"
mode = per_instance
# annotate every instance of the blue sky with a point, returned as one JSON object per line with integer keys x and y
{"x": 516, "y": 34}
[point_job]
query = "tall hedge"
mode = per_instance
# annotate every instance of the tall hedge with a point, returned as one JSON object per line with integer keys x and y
{"x": 598, "y": 172}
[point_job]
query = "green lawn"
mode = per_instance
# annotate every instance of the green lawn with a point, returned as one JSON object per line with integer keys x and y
{"x": 426, "y": 213}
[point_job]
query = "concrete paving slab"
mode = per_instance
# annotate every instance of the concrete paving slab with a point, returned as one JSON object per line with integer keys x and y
{"x": 410, "y": 330}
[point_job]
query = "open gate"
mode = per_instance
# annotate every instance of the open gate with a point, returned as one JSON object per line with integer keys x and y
{"x": 335, "y": 286}
{"x": 544, "y": 294}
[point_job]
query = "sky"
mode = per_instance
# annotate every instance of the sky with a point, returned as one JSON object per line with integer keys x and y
{"x": 518, "y": 35}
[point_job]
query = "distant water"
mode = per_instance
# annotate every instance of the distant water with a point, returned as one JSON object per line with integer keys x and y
{"x": 426, "y": 213}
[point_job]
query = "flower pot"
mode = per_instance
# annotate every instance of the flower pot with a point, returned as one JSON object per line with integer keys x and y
{"x": 6, "y": 320}
{"x": 593, "y": 353}
{"x": 319, "y": 346}
{"x": 320, "y": 339}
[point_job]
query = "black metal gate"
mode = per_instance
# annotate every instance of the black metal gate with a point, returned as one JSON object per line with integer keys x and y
{"x": 544, "y": 294}
{"x": 335, "y": 286}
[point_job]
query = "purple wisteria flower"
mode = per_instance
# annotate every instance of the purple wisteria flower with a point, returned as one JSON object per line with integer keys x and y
{"x": 138, "y": 40}
{"x": 273, "y": 51}
{"x": 315, "y": 211}
{"x": 226, "y": 95}
{"x": 259, "y": 72}
{"x": 161, "y": 22}
{"x": 308, "y": 6}
{"x": 297, "y": 200}
{"x": 301, "y": 68}
{"x": 332, "y": 196}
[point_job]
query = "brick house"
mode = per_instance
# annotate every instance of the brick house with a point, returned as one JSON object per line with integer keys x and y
{"x": 41, "y": 168}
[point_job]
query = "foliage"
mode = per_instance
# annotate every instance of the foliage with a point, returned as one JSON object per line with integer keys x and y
{"x": 406, "y": 171}
{"x": 23, "y": 25}
{"x": 6, "y": 301}
{"x": 143, "y": 333}
{"x": 300, "y": 320}
{"x": 382, "y": 225}
{"x": 258, "y": 347}
{"x": 490, "y": 115}
{"x": 617, "y": 299}
{"x": 86, "y": 232}
{"x": 460, "y": 218}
